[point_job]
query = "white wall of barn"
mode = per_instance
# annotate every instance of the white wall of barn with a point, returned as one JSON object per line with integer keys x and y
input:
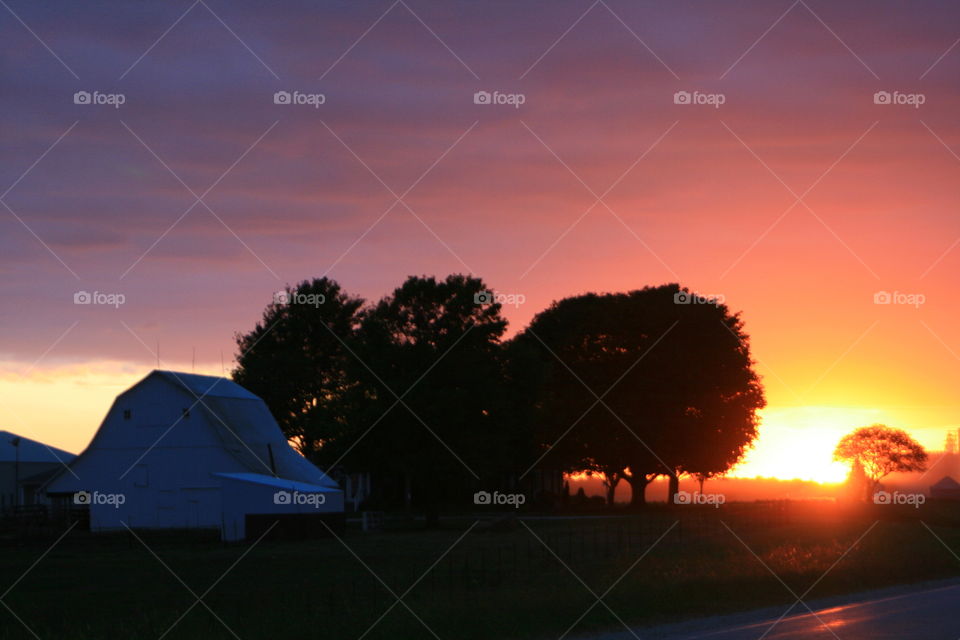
{"x": 158, "y": 458}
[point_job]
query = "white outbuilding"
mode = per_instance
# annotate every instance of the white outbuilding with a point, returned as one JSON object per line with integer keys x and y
{"x": 185, "y": 451}
{"x": 22, "y": 459}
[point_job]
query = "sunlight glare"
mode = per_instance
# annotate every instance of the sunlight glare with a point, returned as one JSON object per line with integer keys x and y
{"x": 798, "y": 442}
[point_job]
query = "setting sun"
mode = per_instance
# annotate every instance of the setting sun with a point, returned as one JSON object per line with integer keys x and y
{"x": 798, "y": 442}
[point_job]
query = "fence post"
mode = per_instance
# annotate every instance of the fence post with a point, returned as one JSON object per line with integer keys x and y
{"x": 483, "y": 567}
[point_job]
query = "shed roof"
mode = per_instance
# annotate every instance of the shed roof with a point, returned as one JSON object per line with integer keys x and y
{"x": 29, "y": 450}
{"x": 946, "y": 482}
{"x": 278, "y": 483}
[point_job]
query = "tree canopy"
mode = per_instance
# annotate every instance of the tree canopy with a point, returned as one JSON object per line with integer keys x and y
{"x": 879, "y": 450}
{"x": 644, "y": 383}
{"x": 421, "y": 389}
{"x": 433, "y": 373}
{"x": 409, "y": 388}
{"x": 297, "y": 360}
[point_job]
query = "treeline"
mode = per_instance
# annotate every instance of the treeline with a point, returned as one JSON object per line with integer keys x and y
{"x": 422, "y": 391}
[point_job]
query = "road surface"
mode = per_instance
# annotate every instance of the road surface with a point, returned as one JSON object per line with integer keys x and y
{"x": 907, "y": 614}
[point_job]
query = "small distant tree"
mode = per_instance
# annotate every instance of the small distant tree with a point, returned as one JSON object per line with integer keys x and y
{"x": 879, "y": 450}
{"x": 703, "y": 477}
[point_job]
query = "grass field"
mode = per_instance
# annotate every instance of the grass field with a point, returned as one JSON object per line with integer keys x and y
{"x": 495, "y": 582}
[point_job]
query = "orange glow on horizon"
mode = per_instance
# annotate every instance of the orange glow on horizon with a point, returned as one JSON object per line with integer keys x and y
{"x": 798, "y": 443}
{"x": 795, "y": 442}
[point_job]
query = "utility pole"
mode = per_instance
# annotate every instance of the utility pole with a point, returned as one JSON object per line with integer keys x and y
{"x": 15, "y": 441}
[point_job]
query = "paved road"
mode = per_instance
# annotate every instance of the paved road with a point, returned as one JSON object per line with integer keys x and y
{"x": 918, "y": 614}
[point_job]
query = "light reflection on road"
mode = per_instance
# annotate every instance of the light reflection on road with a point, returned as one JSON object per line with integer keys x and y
{"x": 923, "y": 615}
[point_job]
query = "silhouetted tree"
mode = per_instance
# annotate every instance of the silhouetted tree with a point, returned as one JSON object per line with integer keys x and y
{"x": 434, "y": 384}
{"x": 651, "y": 382}
{"x": 880, "y": 450}
{"x": 413, "y": 387}
{"x": 556, "y": 362}
{"x": 611, "y": 478}
{"x": 295, "y": 359}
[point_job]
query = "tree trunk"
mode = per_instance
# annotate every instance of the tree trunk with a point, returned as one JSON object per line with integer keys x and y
{"x": 611, "y": 491}
{"x": 638, "y": 487}
{"x": 610, "y": 481}
{"x": 673, "y": 487}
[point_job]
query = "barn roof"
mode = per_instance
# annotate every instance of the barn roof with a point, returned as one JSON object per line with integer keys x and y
{"x": 245, "y": 426}
{"x": 29, "y": 450}
{"x": 249, "y": 432}
{"x": 206, "y": 386}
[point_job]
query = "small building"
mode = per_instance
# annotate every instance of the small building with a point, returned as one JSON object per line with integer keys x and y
{"x": 22, "y": 458}
{"x": 945, "y": 489}
{"x": 186, "y": 451}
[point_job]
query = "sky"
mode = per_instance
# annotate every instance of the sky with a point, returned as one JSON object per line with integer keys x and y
{"x": 799, "y": 159}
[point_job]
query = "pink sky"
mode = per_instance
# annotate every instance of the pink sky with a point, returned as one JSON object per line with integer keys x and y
{"x": 701, "y": 195}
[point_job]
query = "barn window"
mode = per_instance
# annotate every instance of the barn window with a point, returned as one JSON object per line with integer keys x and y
{"x": 127, "y": 414}
{"x": 186, "y": 413}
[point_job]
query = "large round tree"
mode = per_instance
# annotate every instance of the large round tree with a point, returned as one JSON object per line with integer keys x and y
{"x": 645, "y": 383}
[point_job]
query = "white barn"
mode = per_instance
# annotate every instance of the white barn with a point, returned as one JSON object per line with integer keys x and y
{"x": 185, "y": 451}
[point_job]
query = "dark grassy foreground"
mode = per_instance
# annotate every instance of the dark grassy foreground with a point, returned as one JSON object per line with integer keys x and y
{"x": 498, "y": 582}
